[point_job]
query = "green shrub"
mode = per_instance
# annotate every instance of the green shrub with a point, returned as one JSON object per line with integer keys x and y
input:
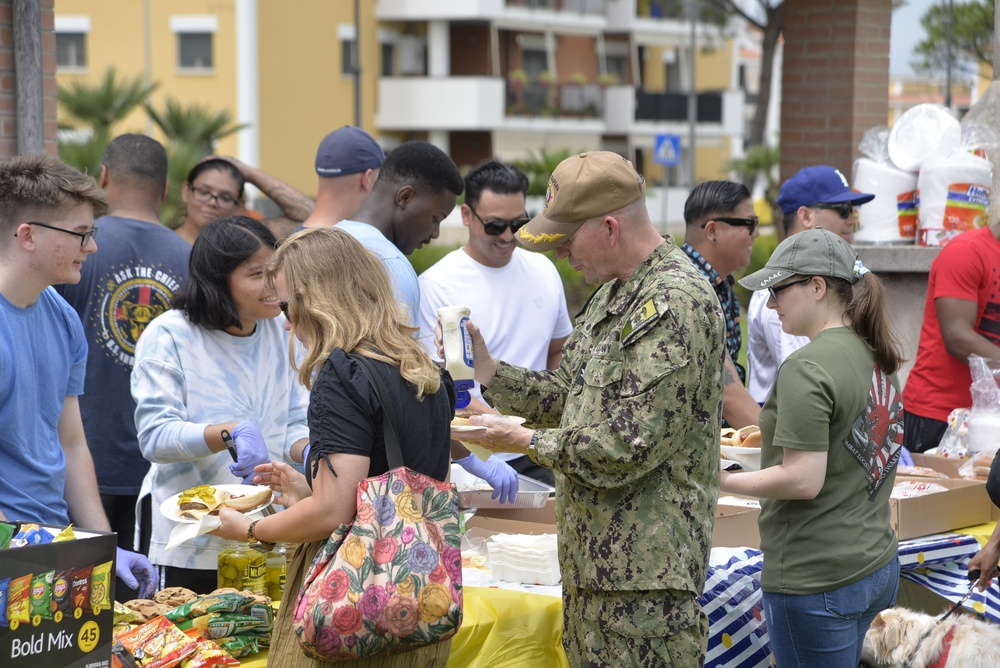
{"x": 762, "y": 249}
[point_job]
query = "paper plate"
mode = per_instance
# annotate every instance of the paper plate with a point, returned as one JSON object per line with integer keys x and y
{"x": 169, "y": 506}
{"x": 923, "y": 133}
{"x": 466, "y": 428}
{"x": 748, "y": 458}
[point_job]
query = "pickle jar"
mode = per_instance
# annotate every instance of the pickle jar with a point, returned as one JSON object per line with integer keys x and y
{"x": 276, "y": 569}
{"x": 243, "y": 568}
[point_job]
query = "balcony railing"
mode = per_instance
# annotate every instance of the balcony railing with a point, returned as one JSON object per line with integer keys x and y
{"x": 555, "y": 100}
{"x": 674, "y": 107}
{"x": 578, "y": 6}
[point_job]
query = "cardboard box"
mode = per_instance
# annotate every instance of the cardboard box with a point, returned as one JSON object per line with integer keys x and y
{"x": 497, "y": 525}
{"x": 76, "y": 637}
{"x": 964, "y": 504}
{"x": 736, "y": 526}
{"x": 947, "y": 465}
{"x": 544, "y": 515}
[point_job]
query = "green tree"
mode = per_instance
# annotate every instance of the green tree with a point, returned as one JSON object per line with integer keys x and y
{"x": 538, "y": 166}
{"x": 972, "y": 36}
{"x": 193, "y": 124}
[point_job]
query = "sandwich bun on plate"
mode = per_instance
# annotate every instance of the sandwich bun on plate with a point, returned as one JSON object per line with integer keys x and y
{"x": 196, "y": 502}
{"x": 747, "y": 437}
{"x": 255, "y": 496}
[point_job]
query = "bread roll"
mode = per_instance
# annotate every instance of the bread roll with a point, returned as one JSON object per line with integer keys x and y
{"x": 248, "y": 501}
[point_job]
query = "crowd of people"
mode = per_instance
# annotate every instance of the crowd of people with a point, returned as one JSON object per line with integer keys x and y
{"x": 130, "y": 373}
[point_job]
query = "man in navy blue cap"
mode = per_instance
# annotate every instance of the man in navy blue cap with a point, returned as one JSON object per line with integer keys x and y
{"x": 819, "y": 196}
{"x": 816, "y": 196}
{"x": 347, "y": 163}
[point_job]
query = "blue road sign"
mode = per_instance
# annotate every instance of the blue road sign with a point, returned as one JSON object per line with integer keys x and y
{"x": 667, "y": 150}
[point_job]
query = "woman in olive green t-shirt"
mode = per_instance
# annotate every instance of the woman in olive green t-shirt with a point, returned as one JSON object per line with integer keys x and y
{"x": 832, "y": 434}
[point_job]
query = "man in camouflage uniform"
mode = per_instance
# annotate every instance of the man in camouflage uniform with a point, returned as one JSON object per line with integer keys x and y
{"x": 629, "y": 422}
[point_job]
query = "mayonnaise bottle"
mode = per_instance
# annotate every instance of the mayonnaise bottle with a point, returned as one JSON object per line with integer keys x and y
{"x": 458, "y": 351}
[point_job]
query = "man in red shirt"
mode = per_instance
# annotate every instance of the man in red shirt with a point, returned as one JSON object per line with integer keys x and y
{"x": 961, "y": 318}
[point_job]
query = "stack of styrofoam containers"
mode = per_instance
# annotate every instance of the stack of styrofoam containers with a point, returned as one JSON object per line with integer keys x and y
{"x": 523, "y": 558}
{"x": 890, "y": 218}
{"x": 952, "y": 184}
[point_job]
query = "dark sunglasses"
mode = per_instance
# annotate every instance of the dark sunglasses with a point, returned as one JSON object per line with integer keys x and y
{"x": 495, "y": 228}
{"x": 775, "y": 290}
{"x": 750, "y": 223}
{"x": 845, "y": 209}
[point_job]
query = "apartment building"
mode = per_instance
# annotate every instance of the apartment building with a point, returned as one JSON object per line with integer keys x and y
{"x": 476, "y": 77}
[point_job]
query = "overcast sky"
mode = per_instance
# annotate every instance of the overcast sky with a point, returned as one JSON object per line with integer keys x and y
{"x": 906, "y": 32}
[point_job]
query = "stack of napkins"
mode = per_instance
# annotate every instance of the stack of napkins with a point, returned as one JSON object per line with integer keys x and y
{"x": 524, "y": 559}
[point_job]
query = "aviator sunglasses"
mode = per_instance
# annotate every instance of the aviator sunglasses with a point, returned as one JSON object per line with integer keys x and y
{"x": 845, "y": 209}
{"x": 495, "y": 228}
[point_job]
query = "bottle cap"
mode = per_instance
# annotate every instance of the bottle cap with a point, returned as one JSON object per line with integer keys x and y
{"x": 462, "y": 396}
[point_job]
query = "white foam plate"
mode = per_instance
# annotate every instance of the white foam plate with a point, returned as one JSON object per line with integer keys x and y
{"x": 170, "y": 510}
{"x": 923, "y": 133}
{"x": 748, "y": 458}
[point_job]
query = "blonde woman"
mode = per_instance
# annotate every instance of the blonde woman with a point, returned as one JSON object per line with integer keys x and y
{"x": 338, "y": 301}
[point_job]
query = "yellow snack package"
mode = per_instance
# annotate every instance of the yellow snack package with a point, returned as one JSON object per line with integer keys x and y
{"x": 100, "y": 588}
{"x": 19, "y": 600}
{"x": 64, "y": 535}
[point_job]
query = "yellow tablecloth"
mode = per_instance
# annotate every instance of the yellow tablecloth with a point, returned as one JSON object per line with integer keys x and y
{"x": 500, "y": 628}
{"x": 980, "y": 532}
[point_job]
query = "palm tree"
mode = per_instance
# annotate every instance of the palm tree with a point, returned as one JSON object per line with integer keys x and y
{"x": 195, "y": 125}
{"x": 539, "y": 166}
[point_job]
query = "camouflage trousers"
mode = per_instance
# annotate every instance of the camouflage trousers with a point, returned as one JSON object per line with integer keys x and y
{"x": 633, "y": 629}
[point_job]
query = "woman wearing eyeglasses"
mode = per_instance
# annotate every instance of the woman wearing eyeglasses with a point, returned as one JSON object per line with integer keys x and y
{"x": 214, "y": 188}
{"x": 217, "y": 361}
{"x": 832, "y": 434}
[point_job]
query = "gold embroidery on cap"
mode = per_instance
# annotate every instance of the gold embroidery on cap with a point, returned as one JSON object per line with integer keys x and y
{"x": 539, "y": 238}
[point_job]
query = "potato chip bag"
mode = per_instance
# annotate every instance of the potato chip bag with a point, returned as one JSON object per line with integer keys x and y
{"x": 7, "y": 531}
{"x": 100, "y": 587}
{"x": 19, "y": 601}
{"x": 64, "y": 535}
{"x": 31, "y": 534}
{"x": 239, "y": 646}
{"x": 41, "y": 594}
{"x": 207, "y": 655}
{"x": 206, "y": 604}
{"x": 221, "y": 624}
{"x": 4, "y": 596}
{"x": 61, "y": 592}
{"x": 80, "y": 588}
{"x": 158, "y": 644}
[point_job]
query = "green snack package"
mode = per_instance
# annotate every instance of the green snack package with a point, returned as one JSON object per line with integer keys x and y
{"x": 41, "y": 594}
{"x": 238, "y": 646}
{"x": 221, "y": 624}
{"x": 206, "y": 604}
{"x": 7, "y": 531}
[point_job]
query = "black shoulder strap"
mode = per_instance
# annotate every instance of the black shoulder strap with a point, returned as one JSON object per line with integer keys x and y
{"x": 392, "y": 452}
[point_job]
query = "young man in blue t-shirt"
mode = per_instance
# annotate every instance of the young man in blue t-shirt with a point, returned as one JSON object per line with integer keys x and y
{"x": 46, "y": 470}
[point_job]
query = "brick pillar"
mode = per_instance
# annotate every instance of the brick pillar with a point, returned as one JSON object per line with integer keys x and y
{"x": 835, "y": 81}
{"x": 8, "y": 95}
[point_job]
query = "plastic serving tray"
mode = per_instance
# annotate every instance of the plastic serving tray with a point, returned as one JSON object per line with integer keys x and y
{"x": 475, "y": 492}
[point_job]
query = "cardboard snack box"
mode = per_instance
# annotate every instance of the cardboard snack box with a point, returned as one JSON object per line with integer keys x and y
{"x": 947, "y": 465}
{"x": 70, "y": 634}
{"x": 736, "y": 526}
{"x": 966, "y": 503}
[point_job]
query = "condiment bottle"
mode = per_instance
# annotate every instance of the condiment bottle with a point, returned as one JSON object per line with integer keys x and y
{"x": 277, "y": 565}
{"x": 458, "y": 358}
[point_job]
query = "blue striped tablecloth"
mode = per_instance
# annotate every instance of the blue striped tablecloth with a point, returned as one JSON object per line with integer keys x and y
{"x": 732, "y": 596}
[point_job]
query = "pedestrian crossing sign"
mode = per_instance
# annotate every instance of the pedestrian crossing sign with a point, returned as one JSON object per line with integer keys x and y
{"x": 667, "y": 150}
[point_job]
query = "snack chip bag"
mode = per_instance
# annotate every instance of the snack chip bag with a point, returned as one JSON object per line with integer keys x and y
{"x": 62, "y": 592}
{"x": 206, "y": 604}
{"x": 41, "y": 594}
{"x": 19, "y": 601}
{"x": 100, "y": 588}
{"x": 7, "y": 531}
{"x": 158, "y": 644}
{"x": 207, "y": 655}
{"x": 64, "y": 535}
{"x": 239, "y": 646}
{"x": 4, "y": 596}
{"x": 80, "y": 588}
{"x": 221, "y": 624}
{"x": 31, "y": 534}
{"x": 121, "y": 657}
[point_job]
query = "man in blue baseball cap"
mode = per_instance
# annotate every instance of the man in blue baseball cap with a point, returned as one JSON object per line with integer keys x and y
{"x": 347, "y": 162}
{"x": 819, "y": 196}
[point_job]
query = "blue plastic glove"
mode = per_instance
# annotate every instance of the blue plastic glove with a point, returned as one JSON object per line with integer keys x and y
{"x": 904, "y": 457}
{"x": 136, "y": 572}
{"x": 501, "y": 476}
{"x": 250, "y": 451}
{"x": 305, "y": 454}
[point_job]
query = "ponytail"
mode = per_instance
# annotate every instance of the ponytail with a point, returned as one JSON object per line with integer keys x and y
{"x": 867, "y": 307}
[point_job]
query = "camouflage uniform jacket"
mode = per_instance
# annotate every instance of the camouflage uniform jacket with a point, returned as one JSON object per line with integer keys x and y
{"x": 630, "y": 424}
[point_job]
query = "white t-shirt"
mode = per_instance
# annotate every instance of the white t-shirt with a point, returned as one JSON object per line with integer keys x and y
{"x": 520, "y": 307}
{"x": 767, "y": 346}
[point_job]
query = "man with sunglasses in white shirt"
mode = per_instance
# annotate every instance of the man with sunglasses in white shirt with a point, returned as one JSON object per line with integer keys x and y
{"x": 817, "y": 196}
{"x": 516, "y": 296}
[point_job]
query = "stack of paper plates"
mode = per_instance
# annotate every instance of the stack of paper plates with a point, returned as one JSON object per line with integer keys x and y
{"x": 524, "y": 559}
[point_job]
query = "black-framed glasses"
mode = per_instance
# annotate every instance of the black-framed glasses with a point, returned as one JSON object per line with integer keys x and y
{"x": 750, "y": 223}
{"x": 844, "y": 209}
{"x": 84, "y": 236}
{"x": 224, "y": 201}
{"x": 495, "y": 228}
{"x": 778, "y": 288}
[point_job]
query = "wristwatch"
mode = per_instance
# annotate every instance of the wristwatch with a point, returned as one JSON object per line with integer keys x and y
{"x": 531, "y": 446}
{"x": 255, "y": 542}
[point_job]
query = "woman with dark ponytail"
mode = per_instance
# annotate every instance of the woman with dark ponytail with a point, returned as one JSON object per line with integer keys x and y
{"x": 832, "y": 433}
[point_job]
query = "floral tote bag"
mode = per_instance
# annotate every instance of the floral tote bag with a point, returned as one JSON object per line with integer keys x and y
{"x": 392, "y": 580}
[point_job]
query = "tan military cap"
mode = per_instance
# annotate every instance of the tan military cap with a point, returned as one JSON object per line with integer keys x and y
{"x": 582, "y": 187}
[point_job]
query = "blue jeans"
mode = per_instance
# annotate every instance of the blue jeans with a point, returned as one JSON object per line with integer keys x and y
{"x": 827, "y": 630}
